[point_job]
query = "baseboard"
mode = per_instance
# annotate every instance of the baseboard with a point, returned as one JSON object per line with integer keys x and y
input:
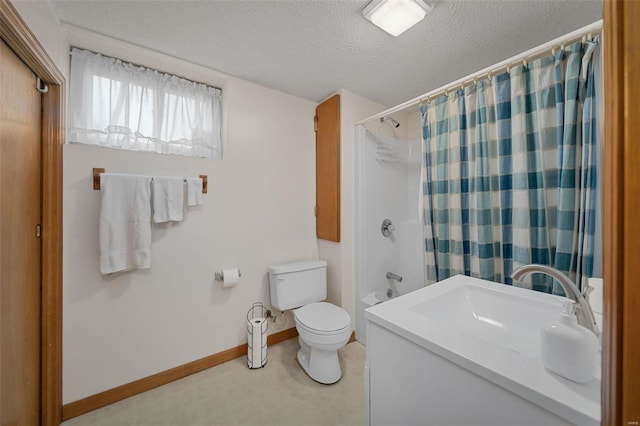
{"x": 281, "y": 336}
{"x": 119, "y": 393}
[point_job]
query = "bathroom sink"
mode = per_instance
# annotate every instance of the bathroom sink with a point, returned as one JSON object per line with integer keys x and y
{"x": 490, "y": 330}
{"x": 493, "y": 312}
{"x": 464, "y": 313}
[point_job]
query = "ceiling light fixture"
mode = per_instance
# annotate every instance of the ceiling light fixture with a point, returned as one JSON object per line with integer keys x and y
{"x": 396, "y": 16}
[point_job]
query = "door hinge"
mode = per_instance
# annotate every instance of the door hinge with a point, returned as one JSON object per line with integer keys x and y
{"x": 315, "y": 211}
{"x": 38, "y": 230}
{"x": 315, "y": 123}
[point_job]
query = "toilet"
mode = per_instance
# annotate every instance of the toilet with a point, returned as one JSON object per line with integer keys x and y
{"x": 323, "y": 328}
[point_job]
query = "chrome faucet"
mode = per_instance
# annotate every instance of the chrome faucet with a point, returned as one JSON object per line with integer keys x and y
{"x": 583, "y": 310}
{"x": 392, "y": 276}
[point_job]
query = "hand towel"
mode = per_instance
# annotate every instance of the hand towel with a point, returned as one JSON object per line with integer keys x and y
{"x": 194, "y": 192}
{"x": 125, "y": 222}
{"x": 168, "y": 199}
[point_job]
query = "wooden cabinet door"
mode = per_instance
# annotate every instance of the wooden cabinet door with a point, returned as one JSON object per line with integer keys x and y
{"x": 20, "y": 214}
{"x": 328, "y": 169}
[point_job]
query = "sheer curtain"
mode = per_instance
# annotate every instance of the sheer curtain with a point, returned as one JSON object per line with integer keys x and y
{"x": 510, "y": 172}
{"x": 120, "y": 105}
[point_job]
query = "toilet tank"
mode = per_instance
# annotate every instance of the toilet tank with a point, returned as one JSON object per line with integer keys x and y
{"x": 297, "y": 284}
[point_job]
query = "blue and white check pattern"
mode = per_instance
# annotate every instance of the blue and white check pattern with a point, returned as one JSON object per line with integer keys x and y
{"x": 510, "y": 172}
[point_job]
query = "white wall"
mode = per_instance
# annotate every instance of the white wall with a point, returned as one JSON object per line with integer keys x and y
{"x": 258, "y": 212}
{"x": 340, "y": 256}
{"x": 44, "y": 23}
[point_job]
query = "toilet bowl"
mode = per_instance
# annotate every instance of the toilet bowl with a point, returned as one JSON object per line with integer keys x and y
{"x": 323, "y": 328}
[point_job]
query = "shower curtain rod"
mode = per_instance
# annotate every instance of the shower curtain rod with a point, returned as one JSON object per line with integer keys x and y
{"x": 537, "y": 52}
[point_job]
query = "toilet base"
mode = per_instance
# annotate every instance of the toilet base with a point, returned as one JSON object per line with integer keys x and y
{"x": 322, "y": 366}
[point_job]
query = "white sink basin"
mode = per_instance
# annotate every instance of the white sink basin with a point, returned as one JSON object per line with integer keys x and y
{"x": 493, "y": 331}
{"x": 492, "y": 312}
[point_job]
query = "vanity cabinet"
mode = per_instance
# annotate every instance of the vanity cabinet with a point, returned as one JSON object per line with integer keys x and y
{"x": 409, "y": 385}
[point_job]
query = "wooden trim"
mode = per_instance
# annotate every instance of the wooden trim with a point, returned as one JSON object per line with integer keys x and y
{"x": 16, "y": 34}
{"x": 52, "y": 139}
{"x": 281, "y": 336}
{"x": 110, "y": 396}
{"x": 611, "y": 216}
{"x": 621, "y": 222}
{"x": 629, "y": 145}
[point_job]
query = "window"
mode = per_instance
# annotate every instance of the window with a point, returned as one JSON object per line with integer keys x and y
{"x": 121, "y": 105}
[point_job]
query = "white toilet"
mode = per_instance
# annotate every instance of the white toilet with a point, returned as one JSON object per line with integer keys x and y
{"x": 323, "y": 328}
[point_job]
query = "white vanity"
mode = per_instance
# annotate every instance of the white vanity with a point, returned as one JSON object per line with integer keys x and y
{"x": 465, "y": 351}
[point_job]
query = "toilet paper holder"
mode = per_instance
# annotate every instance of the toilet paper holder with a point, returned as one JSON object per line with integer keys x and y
{"x": 219, "y": 276}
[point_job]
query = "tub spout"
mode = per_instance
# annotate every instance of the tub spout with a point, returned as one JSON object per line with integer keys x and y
{"x": 583, "y": 310}
{"x": 392, "y": 276}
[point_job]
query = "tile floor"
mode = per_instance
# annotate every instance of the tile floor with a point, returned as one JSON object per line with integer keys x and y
{"x": 231, "y": 394}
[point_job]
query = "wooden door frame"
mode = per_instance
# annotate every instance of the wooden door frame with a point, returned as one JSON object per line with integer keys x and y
{"x": 621, "y": 221}
{"x": 15, "y": 33}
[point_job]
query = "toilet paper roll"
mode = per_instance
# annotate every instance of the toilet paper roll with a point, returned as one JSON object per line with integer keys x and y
{"x": 230, "y": 277}
{"x": 257, "y": 343}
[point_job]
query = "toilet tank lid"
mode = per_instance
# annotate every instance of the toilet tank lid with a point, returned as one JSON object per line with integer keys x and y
{"x": 297, "y": 266}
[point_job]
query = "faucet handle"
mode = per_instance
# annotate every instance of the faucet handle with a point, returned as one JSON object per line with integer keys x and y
{"x": 569, "y": 308}
{"x": 586, "y": 291}
{"x": 387, "y": 227}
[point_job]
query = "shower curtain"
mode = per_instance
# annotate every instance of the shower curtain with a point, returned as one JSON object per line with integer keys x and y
{"x": 510, "y": 172}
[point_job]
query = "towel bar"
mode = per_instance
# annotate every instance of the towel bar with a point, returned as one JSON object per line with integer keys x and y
{"x": 97, "y": 171}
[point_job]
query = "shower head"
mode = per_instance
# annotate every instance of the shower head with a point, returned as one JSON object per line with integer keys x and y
{"x": 390, "y": 120}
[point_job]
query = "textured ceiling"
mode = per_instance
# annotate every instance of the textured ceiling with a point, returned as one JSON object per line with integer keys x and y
{"x": 311, "y": 48}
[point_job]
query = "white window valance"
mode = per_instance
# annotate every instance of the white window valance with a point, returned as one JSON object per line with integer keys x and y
{"x": 121, "y": 105}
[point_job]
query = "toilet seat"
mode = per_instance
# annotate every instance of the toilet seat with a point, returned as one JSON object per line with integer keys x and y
{"x": 323, "y": 318}
{"x": 302, "y": 329}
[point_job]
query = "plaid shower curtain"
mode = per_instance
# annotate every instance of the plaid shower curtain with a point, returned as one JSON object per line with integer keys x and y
{"x": 510, "y": 173}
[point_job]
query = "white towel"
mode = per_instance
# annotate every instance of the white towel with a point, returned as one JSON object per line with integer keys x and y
{"x": 194, "y": 191}
{"x": 125, "y": 222}
{"x": 168, "y": 199}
